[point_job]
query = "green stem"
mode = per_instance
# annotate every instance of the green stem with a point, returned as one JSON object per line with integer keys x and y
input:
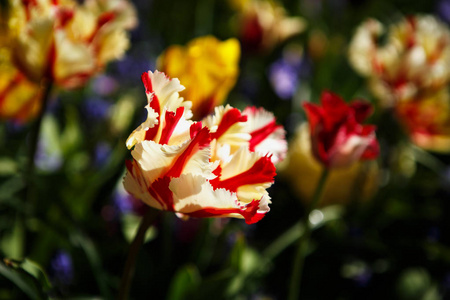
{"x": 130, "y": 263}
{"x": 303, "y": 242}
{"x": 34, "y": 139}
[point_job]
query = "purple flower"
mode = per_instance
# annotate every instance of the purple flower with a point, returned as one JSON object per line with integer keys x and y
{"x": 286, "y": 72}
{"x": 443, "y": 10}
{"x": 96, "y": 108}
{"x": 132, "y": 65}
{"x": 284, "y": 79}
{"x": 104, "y": 85}
{"x": 124, "y": 203}
{"x": 61, "y": 268}
{"x": 102, "y": 153}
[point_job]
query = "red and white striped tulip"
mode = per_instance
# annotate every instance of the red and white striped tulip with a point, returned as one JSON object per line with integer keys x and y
{"x": 196, "y": 169}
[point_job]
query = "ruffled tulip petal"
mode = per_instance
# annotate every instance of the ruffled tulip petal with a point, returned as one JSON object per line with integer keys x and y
{"x": 199, "y": 169}
{"x": 195, "y": 197}
{"x": 266, "y": 136}
{"x": 338, "y": 138}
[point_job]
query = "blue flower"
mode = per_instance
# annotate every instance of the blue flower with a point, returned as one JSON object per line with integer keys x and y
{"x": 61, "y": 268}
{"x": 286, "y": 72}
{"x": 443, "y": 10}
{"x": 96, "y": 108}
{"x": 104, "y": 85}
{"x": 102, "y": 153}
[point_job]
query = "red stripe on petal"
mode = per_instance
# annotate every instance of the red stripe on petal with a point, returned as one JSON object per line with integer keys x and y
{"x": 194, "y": 129}
{"x": 200, "y": 141}
{"x": 28, "y": 4}
{"x": 153, "y": 103}
{"x": 64, "y": 15}
{"x": 161, "y": 192}
{"x": 261, "y": 134}
{"x": 249, "y": 212}
{"x": 210, "y": 212}
{"x": 129, "y": 165}
{"x": 263, "y": 170}
{"x": 230, "y": 118}
{"x": 151, "y": 132}
{"x": 135, "y": 171}
{"x": 145, "y": 77}
{"x": 102, "y": 20}
{"x": 171, "y": 119}
{"x": 105, "y": 18}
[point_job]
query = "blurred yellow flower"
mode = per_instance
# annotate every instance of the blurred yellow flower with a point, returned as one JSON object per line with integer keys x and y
{"x": 19, "y": 97}
{"x": 358, "y": 181}
{"x": 264, "y": 24}
{"x": 208, "y": 69}
{"x": 66, "y": 42}
{"x": 427, "y": 120}
{"x": 414, "y": 60}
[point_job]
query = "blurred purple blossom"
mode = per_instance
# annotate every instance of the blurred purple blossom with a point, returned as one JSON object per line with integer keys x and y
{"x": 124, "y": 203}
{"x": 61, "y": 268}
{"x": 96, "y": 108}
{"x": 286, "y": 72}
{"x": 132, "y": 65}
{"x": 362, "y": 279}
{"x": 104, "y": 85}
{"x": 443, "y": 10}
{"x": 102, "y": 152}
{"x": 284, "y": 79}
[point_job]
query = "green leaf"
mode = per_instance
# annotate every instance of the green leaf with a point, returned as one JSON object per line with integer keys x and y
{"x": 12, "y": 243}
{"x": 130, "y": 225}
{"x": 186, "y": 280}
{"x": 93, "y": 256}
{"x": 17, "y": 273}
{"x": 8, "y": 166}
{"x": 237, "y": 252}
{"x": 10, "y": 187}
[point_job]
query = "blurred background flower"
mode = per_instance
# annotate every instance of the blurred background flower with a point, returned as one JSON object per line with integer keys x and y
{"x": 358, "y": 181}
{"x": 427, "y": 120}
{"x": 286, "y": 73}
{"x": 20, "y": 98}
{"x": 414, "y": 60}
{"x": 263, "y": 24}
{"x": 338, "y": 139}
{"x": 67, "y": 42}
{"x": 207, "y": 67}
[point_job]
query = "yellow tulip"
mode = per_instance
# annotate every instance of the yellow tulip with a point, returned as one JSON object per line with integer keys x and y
{"x": 208, "y": 69}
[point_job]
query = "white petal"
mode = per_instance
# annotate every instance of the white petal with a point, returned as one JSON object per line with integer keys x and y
{"x": 192, "y": 193}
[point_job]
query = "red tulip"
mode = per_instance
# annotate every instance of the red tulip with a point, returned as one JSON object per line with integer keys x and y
{"x": 337, "y": 136}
